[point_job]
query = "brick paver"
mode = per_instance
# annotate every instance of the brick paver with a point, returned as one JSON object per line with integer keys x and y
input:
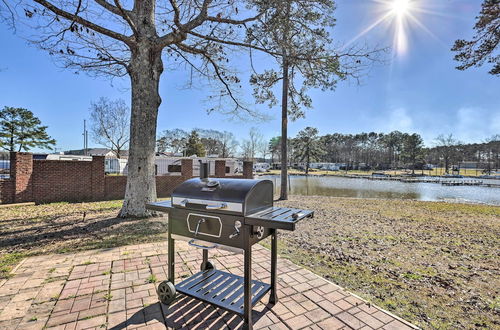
{"x": 116, "y": 289}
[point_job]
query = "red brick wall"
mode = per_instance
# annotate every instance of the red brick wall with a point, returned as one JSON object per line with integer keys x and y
{"x": 248, "y": 170}
{"x": 98, "y": 175}
{"x": 166, "y": 184}
{"x": 187, "y": 167}
{"x": 6, "y": 191}
{"x": 114, "y": 186}
{"x": 21, "y": 169}
{"x": 62, "y": 180}
{"x": 44, "y": 181}
{"x": 220, "y": 168}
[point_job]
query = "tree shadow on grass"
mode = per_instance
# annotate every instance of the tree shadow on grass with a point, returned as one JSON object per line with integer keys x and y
{"x": 187, "y": 313}
{"x": 92, "y": 229}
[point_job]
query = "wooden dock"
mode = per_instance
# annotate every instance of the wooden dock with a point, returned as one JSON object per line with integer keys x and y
{"x": 462, "y": 183}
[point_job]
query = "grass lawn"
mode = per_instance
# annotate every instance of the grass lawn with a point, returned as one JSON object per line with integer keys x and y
{"x": 69, "y": 227}
{"x": 434, "y": 264}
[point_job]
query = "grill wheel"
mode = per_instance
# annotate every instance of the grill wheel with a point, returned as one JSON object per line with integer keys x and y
{"x": 166, "y": 292}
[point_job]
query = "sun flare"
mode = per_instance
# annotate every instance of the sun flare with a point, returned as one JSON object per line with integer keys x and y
{"x": 400, "y": 7}
{"x": 399, "y": 17}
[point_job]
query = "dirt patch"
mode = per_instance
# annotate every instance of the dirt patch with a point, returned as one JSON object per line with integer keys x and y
{"x": 435, "y": 264}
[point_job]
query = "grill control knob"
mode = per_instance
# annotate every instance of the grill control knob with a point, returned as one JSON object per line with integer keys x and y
{"x": 237, "y": 226}
{"x": 259, "y": 231}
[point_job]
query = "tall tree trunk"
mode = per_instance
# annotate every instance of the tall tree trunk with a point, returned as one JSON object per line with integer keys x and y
{"x": 11, "y": 147}
{"x": 307, "y": 163}
{"x": 141, "y": 182}
{"x": 284, "y": 133}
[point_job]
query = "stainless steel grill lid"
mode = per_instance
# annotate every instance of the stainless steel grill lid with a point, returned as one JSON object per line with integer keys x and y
{"x": 242, "y": 196}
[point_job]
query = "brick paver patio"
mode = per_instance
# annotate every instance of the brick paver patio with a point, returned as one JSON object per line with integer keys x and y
{"x": 115, "y": 289}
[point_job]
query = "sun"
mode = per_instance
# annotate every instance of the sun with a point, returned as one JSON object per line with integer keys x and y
{"x": 398, "y": 16}
{"x": 400, "y": 7}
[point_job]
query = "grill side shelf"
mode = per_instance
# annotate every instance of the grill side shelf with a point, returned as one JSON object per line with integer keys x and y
{"x": 222, "y": 289}
{"x": 278, "y": 217}
{"x": 163, "y": 206}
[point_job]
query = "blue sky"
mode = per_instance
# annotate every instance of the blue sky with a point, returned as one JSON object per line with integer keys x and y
{"x": 417, "y": 91}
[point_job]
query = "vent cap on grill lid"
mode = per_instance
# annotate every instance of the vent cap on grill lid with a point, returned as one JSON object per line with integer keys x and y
{"x": 213, "y": 184}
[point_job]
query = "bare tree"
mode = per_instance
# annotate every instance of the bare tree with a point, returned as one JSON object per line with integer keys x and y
{"x": 228, "y": 144}
{"x": 110, "y": 124}
{"x": 129, "y": 38}
{"x": 173, "y": 140}
{"x": 447, "y": 148}
{"x": 211, "y": 140}
{"x": 252, "y": 145}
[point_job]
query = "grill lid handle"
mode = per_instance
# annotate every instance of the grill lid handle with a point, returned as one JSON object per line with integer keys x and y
{"x": 217, "y": 206}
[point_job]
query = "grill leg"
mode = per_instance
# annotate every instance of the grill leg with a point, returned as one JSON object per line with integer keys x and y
{"x": 171, "y": 257}
{"x": 205, "y": 259}
{"x": 273, "y": 297}
{"x": 247, "y": 284}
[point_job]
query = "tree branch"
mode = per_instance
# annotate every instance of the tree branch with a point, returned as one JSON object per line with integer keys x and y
{"x": 84, "y": 22}
{"x": 180, "y": 35}
{"x": 216, "y": 68}
{"x": 126, "y": 16}
{"x": 233, "y": 21}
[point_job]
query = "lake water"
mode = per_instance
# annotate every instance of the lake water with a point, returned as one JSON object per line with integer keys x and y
{"x": 363, "y": 188}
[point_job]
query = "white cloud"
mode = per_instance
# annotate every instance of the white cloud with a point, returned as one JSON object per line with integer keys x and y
{"x": 474, "y": 124}
{"x": 400, "y": 120}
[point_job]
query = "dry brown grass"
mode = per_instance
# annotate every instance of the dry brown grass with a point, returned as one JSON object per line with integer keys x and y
{"x": 435, "y": 264}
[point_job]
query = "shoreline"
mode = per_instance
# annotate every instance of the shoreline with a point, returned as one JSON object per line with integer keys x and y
{"x": 388, "y": 177}
{"x": 447, "y": 201}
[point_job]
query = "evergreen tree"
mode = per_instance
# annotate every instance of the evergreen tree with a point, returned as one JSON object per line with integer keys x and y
{"x": 194, "y": 145}
{"x": 484, "y": 43}
{"x": 413, "y": 149}
{"x": 20, "y": 130}
{"x": 307, "y": 147}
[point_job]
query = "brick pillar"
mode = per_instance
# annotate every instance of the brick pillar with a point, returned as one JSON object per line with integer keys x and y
{"x": 21, "y": 170}
{"x": 248, "y": 170}
{"x": 187, "y": 168}
{"x": 220, "y": 168}
{"x": 6, "y": 191}
{"x": 98, "y": 185}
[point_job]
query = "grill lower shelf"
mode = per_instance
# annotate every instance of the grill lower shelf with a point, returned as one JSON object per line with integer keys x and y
{"x": 221, "y": 289}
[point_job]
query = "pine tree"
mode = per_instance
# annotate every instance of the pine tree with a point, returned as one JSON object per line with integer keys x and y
{"x": 20, "y": 130}
{"x": 307, "y": 147}
{"x": 482, "y": 47}
{"x": 194, "y": 145}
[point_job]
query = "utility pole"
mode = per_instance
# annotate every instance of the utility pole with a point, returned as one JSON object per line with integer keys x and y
{"x": 85, "y": 138}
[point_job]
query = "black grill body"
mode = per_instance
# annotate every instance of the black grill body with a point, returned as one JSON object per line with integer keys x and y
{"x": 231, "y": 214}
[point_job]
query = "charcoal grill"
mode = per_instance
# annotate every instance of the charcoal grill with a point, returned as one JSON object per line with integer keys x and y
{"x": 230, "y": 214}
